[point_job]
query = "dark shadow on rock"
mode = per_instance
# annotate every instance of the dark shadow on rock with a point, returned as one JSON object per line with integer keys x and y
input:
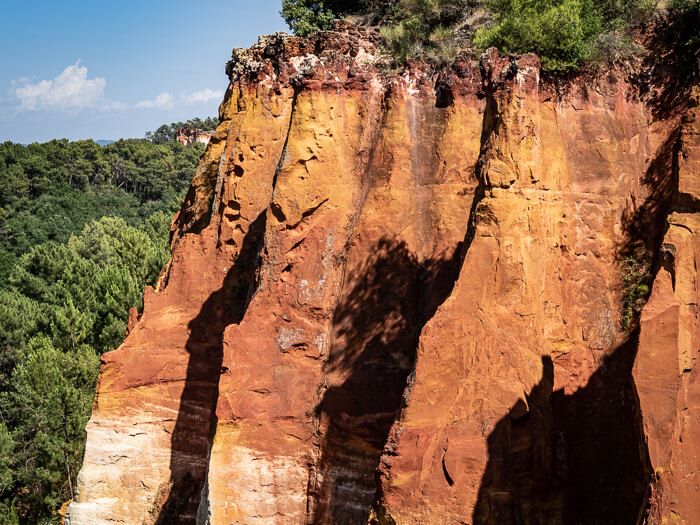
{"x": 575, "y": 459}
{"x": 644, "y": 226}
{"x": 602, "y": 456}
{"x": 672, "y": 64}
{"x": 643, "y": 223}
{"x": 581, "y": 458}
{"x": 196, "y": 421}
{"x": 517, "y": 479}
{"x": 376, "y": 327}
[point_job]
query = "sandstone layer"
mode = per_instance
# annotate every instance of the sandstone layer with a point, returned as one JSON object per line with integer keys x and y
{"x": 398, "y": 297}
{"x": 666, "y": 368}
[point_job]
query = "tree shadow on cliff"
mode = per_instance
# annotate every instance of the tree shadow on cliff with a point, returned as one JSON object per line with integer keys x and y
{"x": 575, "y": 459}
{"x": 581, "y": 458}
{"x": 599, "y": 433}
{"x": 671, "y": 66}
{"x": 520, "y": 459}
{"x": 384, "y": 306}
{"x": 642, "y": 222}
{"x": 643, "y": 227}
{"x": 196, "y": 421}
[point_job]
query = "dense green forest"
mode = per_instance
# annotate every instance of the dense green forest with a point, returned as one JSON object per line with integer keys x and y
{"x": 83, "y": 229}
{"x": 566, "y": 34}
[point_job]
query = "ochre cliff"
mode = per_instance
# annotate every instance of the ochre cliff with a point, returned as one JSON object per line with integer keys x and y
{"x": 399, "y": 298}
{"x": 666, "y": 368}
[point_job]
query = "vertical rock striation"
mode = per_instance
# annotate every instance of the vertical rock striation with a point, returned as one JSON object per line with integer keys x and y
{"x": 666, "y": 368}
{"x": 522, "y": 407}
{"x": 396, "y": 298}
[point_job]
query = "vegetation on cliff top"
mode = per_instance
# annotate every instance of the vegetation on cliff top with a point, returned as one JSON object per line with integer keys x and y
{"x": 82, "y": 230}
{"x": 564, "y": 33}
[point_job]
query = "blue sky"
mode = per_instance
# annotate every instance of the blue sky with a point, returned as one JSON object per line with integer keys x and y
{"x": 106, "y": 69}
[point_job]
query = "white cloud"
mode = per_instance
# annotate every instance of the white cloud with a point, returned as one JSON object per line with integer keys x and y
{"x": 204, "y": 95}
{"x": 163, "y": 101}
{"x": 167, "y": 101}
{"x": 72, "y": 89}
{"x": 113, "y": 105}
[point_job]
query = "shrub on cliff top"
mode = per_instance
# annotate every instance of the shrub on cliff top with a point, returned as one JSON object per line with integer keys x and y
{"x": 564, "y": 33}
{"x": 425, "y": 29}
{"x": 412, "y": 28}
{"x": 305, "y": 17}
{"x": 561, "y": 33}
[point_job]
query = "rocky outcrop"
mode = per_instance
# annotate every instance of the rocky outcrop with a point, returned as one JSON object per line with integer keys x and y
{"x": 188, "y": 136}
{"x": 397, "y": 298}
{"x": 666, "y": 368}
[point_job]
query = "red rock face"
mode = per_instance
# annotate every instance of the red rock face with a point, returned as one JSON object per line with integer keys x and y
{"x": 397, "y": 298}
{"x": 666, "y": 369}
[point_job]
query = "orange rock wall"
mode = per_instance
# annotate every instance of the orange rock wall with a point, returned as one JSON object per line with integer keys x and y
{"x": 396, "y": 298}
{"x": 531, "y": 322}
{"x": 666, "y": 369}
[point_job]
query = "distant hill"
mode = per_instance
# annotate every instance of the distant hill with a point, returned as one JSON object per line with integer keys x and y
{"x": 105, "y": 142}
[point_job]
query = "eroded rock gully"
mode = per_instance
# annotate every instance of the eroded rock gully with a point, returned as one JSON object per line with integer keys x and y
{"x": 396, "y": 298}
